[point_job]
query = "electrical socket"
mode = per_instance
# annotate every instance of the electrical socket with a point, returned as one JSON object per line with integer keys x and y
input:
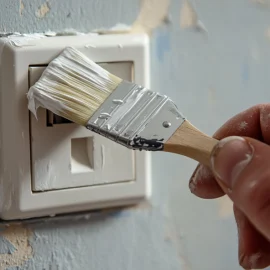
{"x": 49, "y": 165}
{"x": 65, "y": 155}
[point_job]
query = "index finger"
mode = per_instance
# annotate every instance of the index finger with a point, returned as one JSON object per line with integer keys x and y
{"x": 253, "y": 122}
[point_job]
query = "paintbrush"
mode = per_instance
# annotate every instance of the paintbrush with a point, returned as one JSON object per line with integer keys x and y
{"x": 76, "y": 88}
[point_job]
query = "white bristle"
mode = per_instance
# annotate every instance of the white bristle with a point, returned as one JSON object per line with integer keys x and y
{"x": 72, "y": 86}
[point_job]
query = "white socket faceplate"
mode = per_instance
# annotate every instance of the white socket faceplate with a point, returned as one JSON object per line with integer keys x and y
{"x": 61, "y": 168}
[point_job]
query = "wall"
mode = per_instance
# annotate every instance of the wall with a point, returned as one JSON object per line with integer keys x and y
{"x": 213, "y": 61}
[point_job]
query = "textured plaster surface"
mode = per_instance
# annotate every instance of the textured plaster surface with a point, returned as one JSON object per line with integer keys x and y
{"x": 211, "y": 75}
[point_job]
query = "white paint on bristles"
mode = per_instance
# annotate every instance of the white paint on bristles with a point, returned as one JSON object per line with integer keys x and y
{"x": 72, "y": 86}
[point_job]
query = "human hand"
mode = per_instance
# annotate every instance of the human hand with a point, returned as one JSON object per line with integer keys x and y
{"x": 242, "y": 164}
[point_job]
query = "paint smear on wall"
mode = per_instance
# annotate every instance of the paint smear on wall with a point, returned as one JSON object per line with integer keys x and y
{"x": 21, "y": 8}
{"x": 189, "y": 17}
{"x": 18, "y": 237}
{"x": 153, "y": 13}
{"x": 261, "y": 2}
{"x": 43, "y": 10}
{"x": 225, "y": 207}
{"x": 163, "y": 43}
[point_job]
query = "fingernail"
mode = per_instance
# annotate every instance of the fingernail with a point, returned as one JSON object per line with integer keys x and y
{"x": 229, "y": 159}
{"x": 192, "y": 181}
{"x": 198, "y": 176}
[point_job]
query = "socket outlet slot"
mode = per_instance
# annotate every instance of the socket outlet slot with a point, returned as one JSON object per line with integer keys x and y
{"x": 53, "y": 119}
{"x": 82, "y": 155}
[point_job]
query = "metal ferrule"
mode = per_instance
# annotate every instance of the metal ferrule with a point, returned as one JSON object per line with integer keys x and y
{"x": 136, "y": 117}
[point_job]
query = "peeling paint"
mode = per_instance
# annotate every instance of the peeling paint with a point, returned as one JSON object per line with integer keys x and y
{"x": 189, "y": 17}
{"x": 21, "y": 8}
{"x": 18, "y": 237}
{"x": 5, "y": 246}
{"x": 153, "y": 13}
{"x": 43, "y": 10}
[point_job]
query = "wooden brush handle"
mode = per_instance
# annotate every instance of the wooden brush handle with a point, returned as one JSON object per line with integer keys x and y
{"x": 191, "y": 142}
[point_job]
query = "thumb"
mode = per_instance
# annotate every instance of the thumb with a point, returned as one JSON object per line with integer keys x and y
{"x": 242, "y": 165}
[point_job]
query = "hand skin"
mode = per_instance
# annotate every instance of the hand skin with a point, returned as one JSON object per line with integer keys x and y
{"x": 241, "y": 162}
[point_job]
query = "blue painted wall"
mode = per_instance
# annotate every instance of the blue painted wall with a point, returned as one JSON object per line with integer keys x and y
{"x": 211, "y": 75}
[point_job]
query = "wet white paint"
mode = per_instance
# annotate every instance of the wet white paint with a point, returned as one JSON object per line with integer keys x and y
{"x": 102, "y": 156}
{"x": 119, "y": 28}
{"x": 243, "y": 125}
{"x": 9, "y": 196}
{"x": 51, "y": 93}
{"x": 48, "y": 173}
